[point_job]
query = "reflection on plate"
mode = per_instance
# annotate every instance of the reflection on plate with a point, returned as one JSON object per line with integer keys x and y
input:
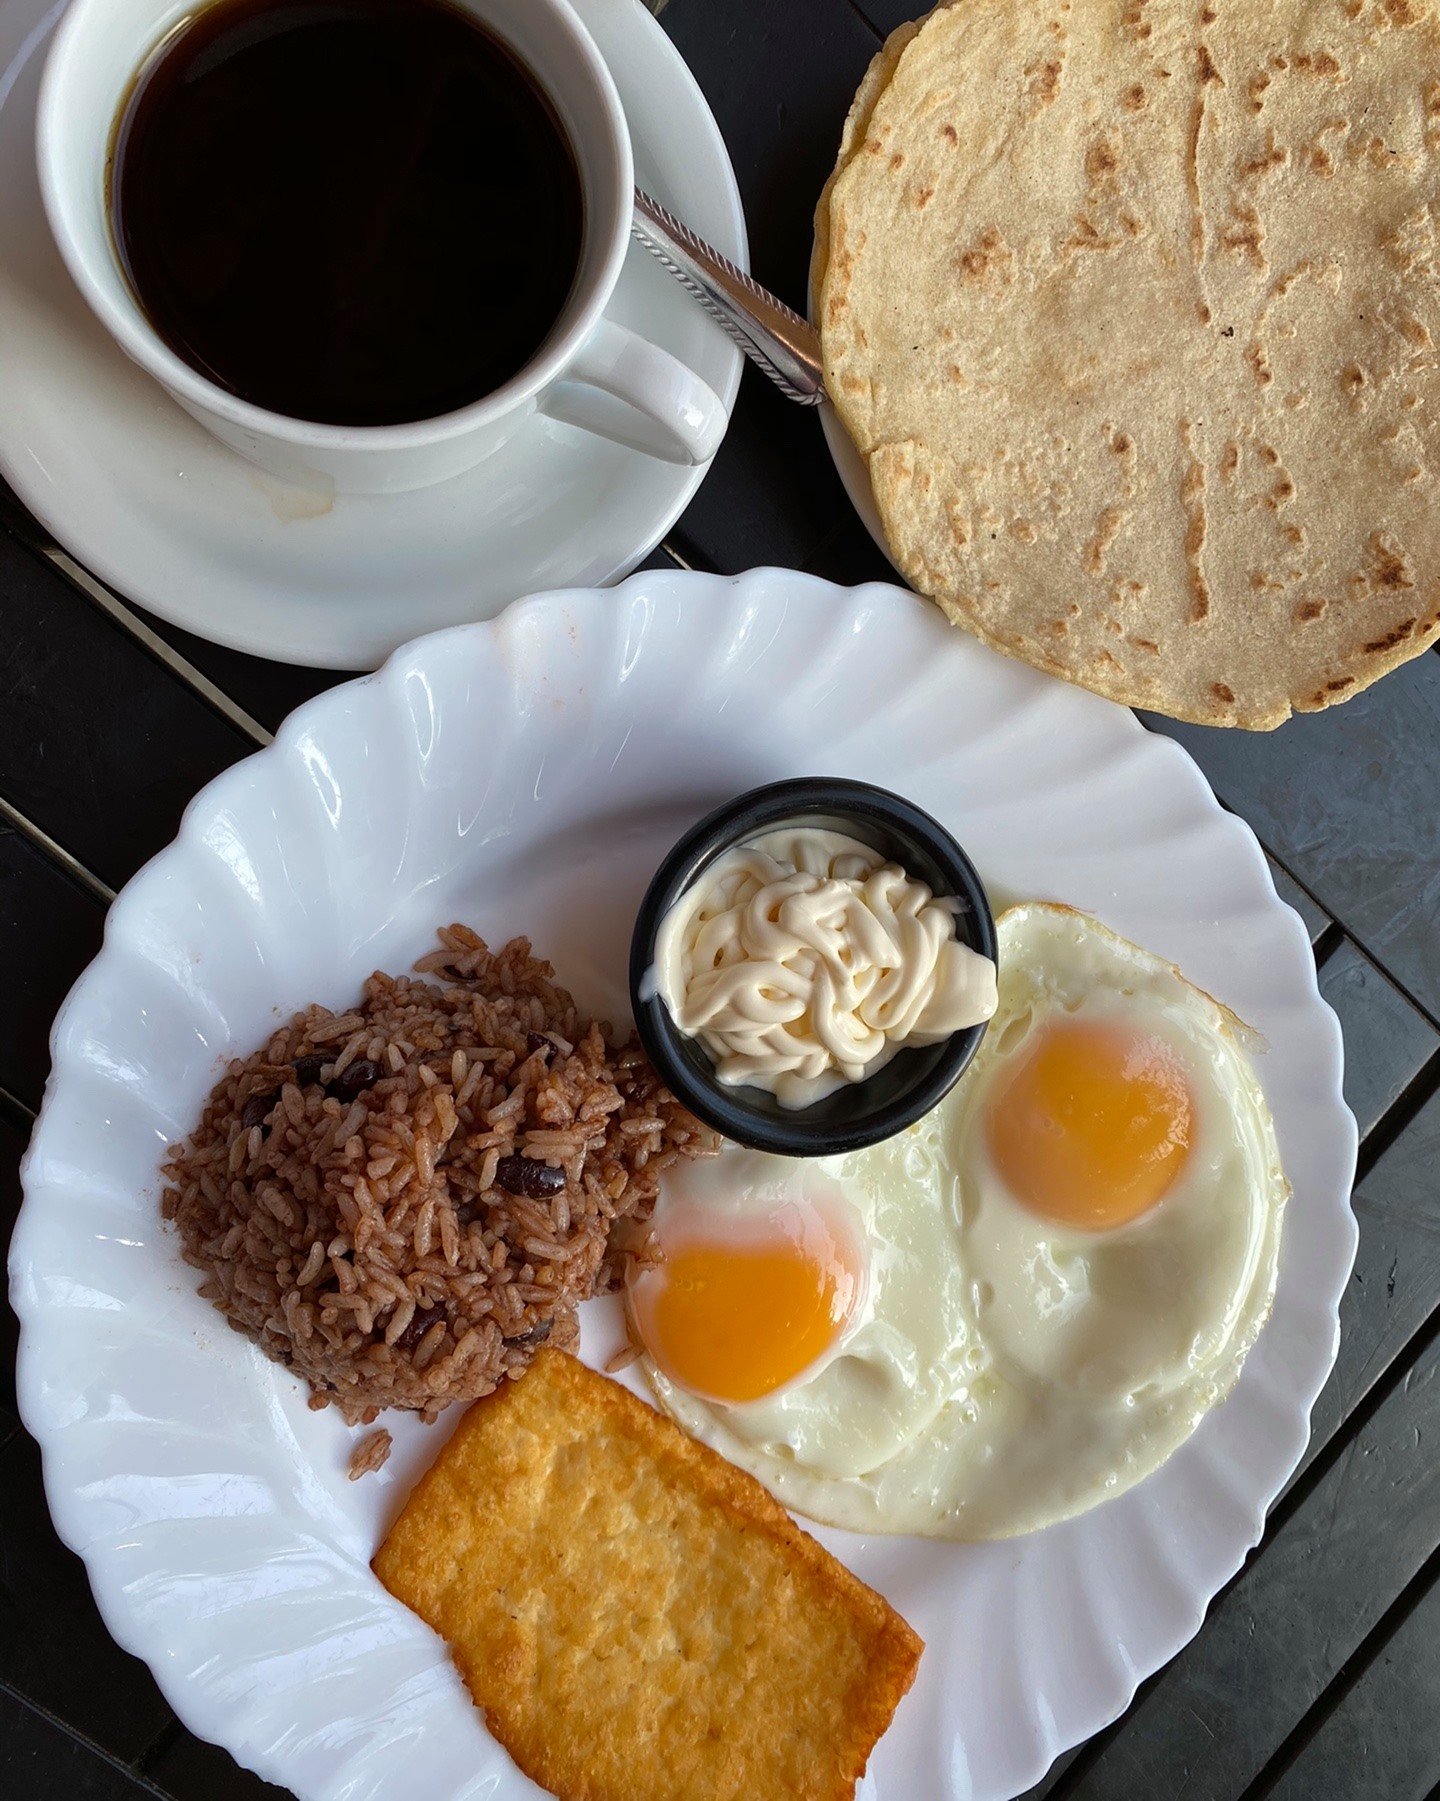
{"x": 529, "y": 774}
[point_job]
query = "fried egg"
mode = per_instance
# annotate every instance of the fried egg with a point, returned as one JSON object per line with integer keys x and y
{"x": 1016, "y": 1309}
{"x": 761, "y": 1276}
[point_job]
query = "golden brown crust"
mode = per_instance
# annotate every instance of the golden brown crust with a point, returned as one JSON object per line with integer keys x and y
{"x": 634, "y": 1615}
{"x": 872, "y": 85}
{"x": 1134, "y": 312}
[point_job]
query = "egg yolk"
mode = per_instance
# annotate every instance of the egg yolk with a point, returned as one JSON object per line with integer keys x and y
{"x": 1093, "y": 1126}
{"x": 735, "y": 1321}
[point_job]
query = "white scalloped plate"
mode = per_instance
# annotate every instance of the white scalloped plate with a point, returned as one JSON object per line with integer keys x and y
{"x": 527, "y": 774}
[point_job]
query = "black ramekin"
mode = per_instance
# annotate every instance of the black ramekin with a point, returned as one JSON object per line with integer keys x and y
{"x": 915, "y": 1079}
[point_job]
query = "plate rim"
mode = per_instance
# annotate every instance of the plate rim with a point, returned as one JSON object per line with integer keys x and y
{"x": 66, "y": 1507}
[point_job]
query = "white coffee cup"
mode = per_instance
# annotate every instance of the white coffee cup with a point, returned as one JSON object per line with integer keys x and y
{"x": 590, "y": 371}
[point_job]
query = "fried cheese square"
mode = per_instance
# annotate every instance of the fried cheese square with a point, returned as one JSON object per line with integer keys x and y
{"x": 634, "y": 1615}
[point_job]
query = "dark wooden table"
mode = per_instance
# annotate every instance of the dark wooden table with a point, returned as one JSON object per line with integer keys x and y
{"x": 1316, "y": 1676}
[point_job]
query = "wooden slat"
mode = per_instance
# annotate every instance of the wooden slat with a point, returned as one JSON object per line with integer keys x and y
{"x": 1395, "y": 1288}
{"x": 1347, "y": 800}
{"x": 50, "y": 928}
{"x": 1383, "y": 1738}
{"x": 190, "y": 1770}
{"x": 1387, "y": 1041}
{"x": 131, "y": 622}
{"x": 102, "y": 747}
{"x": 267, "y": 691}
{"x": 54, "y": 1649}
{"x": 885, "y": 15}
{"x": 40, "y": 1761}
{"x": 264, "y": 692}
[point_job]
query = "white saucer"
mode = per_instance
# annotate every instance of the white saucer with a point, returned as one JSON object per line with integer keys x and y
{"x": 154, "y": 506}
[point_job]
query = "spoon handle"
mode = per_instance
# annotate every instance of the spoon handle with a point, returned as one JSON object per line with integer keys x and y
{"x": 783, "y": 344}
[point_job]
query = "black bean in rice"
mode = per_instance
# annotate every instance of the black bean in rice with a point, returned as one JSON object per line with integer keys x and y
{"x": 342, "y": 1194}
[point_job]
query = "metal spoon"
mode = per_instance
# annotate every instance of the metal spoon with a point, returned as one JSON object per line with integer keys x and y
{"x": 778, "y": 340}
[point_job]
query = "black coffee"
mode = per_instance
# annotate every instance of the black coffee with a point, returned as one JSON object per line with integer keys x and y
{"x": 358, "y": 212}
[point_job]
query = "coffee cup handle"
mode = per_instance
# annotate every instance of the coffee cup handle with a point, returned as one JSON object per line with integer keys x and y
{"x": 624, "y": 388}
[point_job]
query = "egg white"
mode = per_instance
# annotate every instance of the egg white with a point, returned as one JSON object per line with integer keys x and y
{"x": 1007, "y": 1372}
